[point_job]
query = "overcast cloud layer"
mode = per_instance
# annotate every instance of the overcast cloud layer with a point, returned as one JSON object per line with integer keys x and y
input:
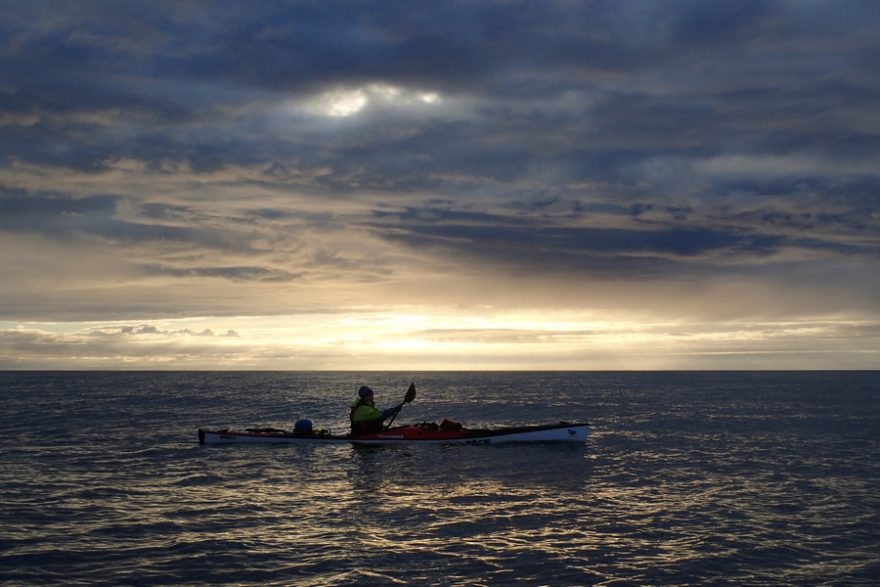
{"x": 708, "y": 170}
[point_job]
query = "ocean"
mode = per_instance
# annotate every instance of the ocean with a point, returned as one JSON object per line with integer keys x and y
{"x": 687, "y": 478}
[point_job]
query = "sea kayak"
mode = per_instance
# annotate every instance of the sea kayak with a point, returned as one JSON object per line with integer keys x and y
{"x": 414, "y": 434}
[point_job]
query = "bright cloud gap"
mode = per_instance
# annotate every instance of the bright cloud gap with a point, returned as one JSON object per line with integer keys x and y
{"x": 345, "y": 102}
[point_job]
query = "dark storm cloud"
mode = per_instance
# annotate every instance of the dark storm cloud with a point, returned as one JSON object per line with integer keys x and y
{"x": 166, "y": 64}
{"x": 17, "y": 208}
{"x": 446, "y": 45}
{"x": 680, "y": 242}
{"x": 62, "y": 217}
{"x": 532, "y": 246}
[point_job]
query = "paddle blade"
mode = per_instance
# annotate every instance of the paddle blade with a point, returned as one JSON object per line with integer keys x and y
{"x": 410, "y": 393}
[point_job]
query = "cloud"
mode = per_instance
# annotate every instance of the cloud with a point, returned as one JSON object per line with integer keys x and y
{"x": 56, "y": 215}
{"x": 231, "y": 273}
{"x": 592, "y": 344}
{"x": 170, "y": 159}
{"x": 150, "y": 329}
{"x": 647, "y": 249}
{"x": 138, "y": 346}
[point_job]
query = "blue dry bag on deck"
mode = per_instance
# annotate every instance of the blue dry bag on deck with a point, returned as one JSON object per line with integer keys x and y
{"x": 303, "y": 426}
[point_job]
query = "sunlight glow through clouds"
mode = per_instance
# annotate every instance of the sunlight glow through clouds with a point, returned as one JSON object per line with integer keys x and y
{"x": 413, "y": 339}
{"x": 347, "y": 102}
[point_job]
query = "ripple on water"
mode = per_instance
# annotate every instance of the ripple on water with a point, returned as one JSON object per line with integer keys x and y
{"x": 686, "y": 479}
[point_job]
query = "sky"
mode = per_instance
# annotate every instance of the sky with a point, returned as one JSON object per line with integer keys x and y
{"x": 440, "y": 185}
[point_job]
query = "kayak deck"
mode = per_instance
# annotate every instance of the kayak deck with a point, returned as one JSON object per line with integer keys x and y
{"x": 414, "y": 434}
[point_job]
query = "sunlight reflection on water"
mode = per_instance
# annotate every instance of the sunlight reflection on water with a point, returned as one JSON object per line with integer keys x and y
{"x": 683, "y": 480}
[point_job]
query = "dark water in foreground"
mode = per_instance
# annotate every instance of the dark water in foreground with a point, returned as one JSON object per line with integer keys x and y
{"x": 687, "y": 478}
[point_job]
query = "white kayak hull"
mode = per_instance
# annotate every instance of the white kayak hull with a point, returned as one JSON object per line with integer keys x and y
{"x": 562, "y": 432}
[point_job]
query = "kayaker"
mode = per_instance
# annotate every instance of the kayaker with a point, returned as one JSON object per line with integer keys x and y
{"x": 365, "y": 416}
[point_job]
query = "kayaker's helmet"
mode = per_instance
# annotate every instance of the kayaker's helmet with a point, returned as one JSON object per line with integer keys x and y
{"x": 303, "y": 426}
{"x": 365, "y": 392}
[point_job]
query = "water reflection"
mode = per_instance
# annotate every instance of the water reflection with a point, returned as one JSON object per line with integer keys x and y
{"x": 364, "y": 472}
{"x": 462, "y": 510}
{"x": 563, "y": 467}
{"x": 680, "y": 483}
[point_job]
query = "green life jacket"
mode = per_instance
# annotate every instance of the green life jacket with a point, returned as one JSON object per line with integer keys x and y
{"x": 365, "y": 417}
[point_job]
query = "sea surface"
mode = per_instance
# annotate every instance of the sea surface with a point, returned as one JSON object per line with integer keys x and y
{"x": 689, "y": 478}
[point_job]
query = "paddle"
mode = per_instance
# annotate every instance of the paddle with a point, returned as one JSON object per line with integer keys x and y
{"x": 408, "y": 398}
